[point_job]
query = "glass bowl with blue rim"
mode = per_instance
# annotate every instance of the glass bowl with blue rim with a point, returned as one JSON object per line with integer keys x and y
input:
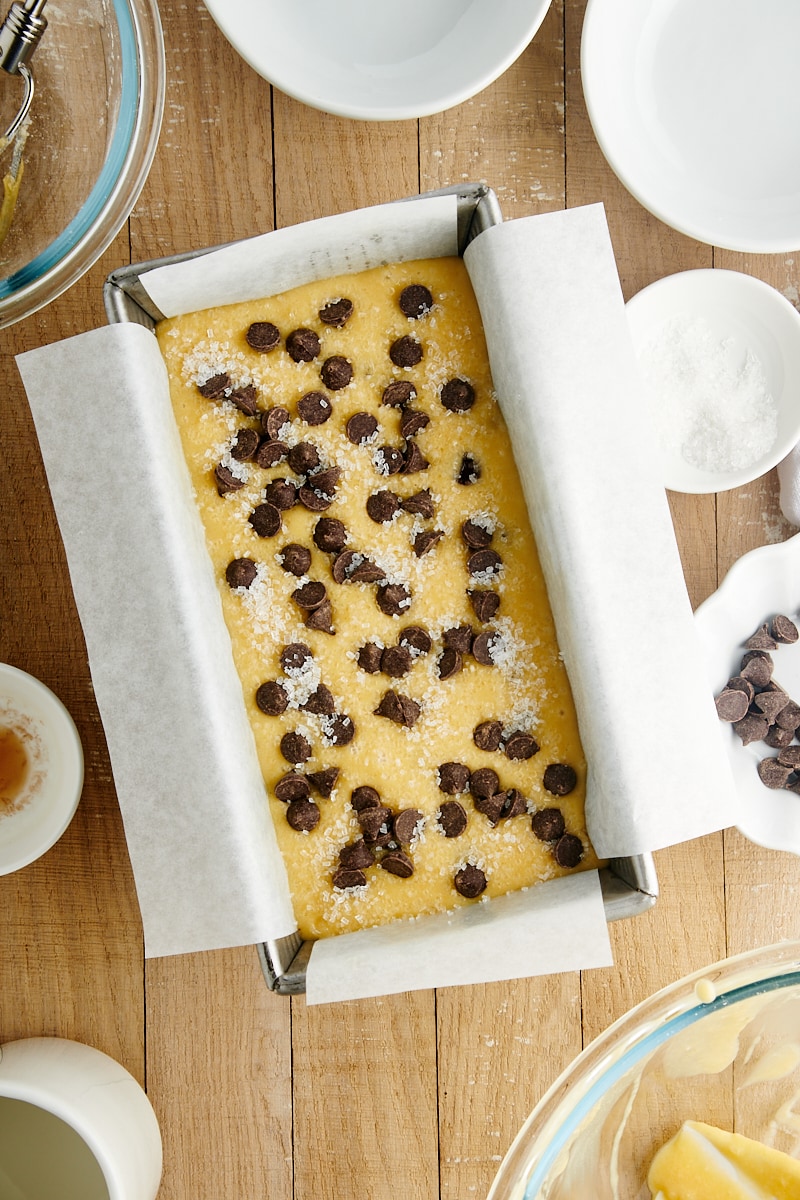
{"x": 721, "y": 1046}
{"x": 99, "y": 78}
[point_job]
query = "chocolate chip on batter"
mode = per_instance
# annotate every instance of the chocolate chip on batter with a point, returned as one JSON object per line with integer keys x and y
{"x": 376, "y": 825}
{"x": 325, "y": 480}
{"x": 450, "y": 663}
{"x": 484, "y": 604}
{"x": 273, "y": 421}
{"x": 484, "y": 562}
{"x": 772, "y": 773}
{"x": 323, "y": 781}
{"x": 292, "y": 786}
{"x": 548, "y": 824}
{"x": 560, "y": 778}
{"x": 343, "y": 565}
{"x": 312, "y": 499}
{"x": 515, "y": 804}
{"x": 314, "y": 408}
{"x": 761, "y": 640}
{"x": 420, "y": 504}
{"x": 415, "y": 301}
{"x": 367, "y": 572}
{"x": 457, "y": 395}
{"x": 453, "y": 778}
{"x": 406, "y": 351}
{"x": 320, "y": 702}
{"x": 469, "y": 472}
{"x": 271, "y": 698}
{"x": 360, "y": 428}
{"x": 262, "y": 336}
{"x": 488, "y": 735}
{"x": 491, "y": 807}
{"x": 269, "y": 453}
{"x": 784, "y": 629}
{"x": 336, "y": 372}
{"x": 398, "y": 863}
{"x": 369, "y": 658}
{"x": 295, "y": 656}
{"x": 282, "y": 493}
{"x": 482, "y": 647}
{"x": 240, "y": 572}
{"x": 340, "y": 730}
{"x": 398, "y": 393}
{"x": 329, "y": 535}
{"x": 365, "y": 796}
{"x": 568, "y": 850}
{"x": 382, "y": 506}
{"x": 294, "y": 558}
{"x": 295, "y": 747}
{"x": 226, "y": 481}
{"x": 413, "y": 421}
{"x": 402, "y": 710}
{"x": 426, "y": 540}
{"x": 336, "y": 312}
{"x": 388, "y": 460}
{"x": 521, "y": 746}
{"x": 476, "y": 536}
{"x": 406, "y": 824}
{"x": 245, "y": 399}
{"x": 414, "y": 460}
{"x": 303, "y": 815}
{"x": 357, "y": 856}
{"x": 245, "y": 444}
{"x": 483, "y": 782}
{"x": 458, "y": 637}
{"x": 321, "y": 618}
{"x": 265, "y": 520}
{"x": 303, "y": 345}
{"x": 396, "y": 661}
{"x": 470, "y": 881}
{"x": 216, "y": 386}
{"x": 310, "y": 595}
{"x": 452, "y": 819}
{"x": 303, "y": 458}
{"x": 417, "y": 638}
{"x": 393, "y": 599}
{"x": 347, "y": 877}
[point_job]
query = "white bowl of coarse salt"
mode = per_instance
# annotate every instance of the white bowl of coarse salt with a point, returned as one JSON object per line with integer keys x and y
{"x": 719, "y": 353}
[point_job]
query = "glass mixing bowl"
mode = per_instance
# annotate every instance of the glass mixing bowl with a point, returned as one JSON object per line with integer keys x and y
{"x": 99, "y": 79}
{"x": 720, "y": 1046}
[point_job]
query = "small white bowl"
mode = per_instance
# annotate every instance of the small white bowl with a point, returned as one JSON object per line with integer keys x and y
{"x": 723, "y": 316}
{"x": 34, "y": 815}
{"x": 379, "y": 62}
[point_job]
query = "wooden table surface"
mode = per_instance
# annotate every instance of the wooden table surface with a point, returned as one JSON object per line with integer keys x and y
{"x": 417, "y": 1095}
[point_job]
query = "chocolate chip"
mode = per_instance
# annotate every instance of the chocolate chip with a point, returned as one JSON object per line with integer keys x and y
{"x": 469, "y": 471}
{"x": 415, "y": 300}
{"x": 263, "y": 336}
{"x": 548, "y": 824}
{"x": 311, "y": 595}
{"x": 358, "y": 856}
{"x": 388, "y": 460}
{"x": 778, "y": 738}
{"x": 457, "y": 395}
{"x": 360, "y": 428}
{"x": 271, "y": 698}
{"x": 382, "y": 506}
{"x": 784, "y": 630}
{"x": 475, "y": 536}
{"x": 396, "y": 661}
{"x": 303, "y": 815}
{"x": 521, "y": 746}
{"x": 450, "y": 663}
{"x": 458, "y": 637}
{"x": 292, "y": 786}
{"x": 336, "y": 372}
{"x": 240, "y": 572}
{"x": 426, "y": 540}
{"x": 568, "y": 850}
{"x": 491, "y": 807}
{"x": 320, "y": 702}
{"x": 412, "y": 421}
{"x": 452, "y": 819}
{"x": 346, "y": 878}
{"x": 295, "y": 559}
{"x": 282, "y": 493}
{"x": 226, "y": 481}
{"x": 295, "y": 747}
{"x": 761, "y": 640}
{"x": 414, "y": 460}
{"x": 393, "y": 599}
{"x": 484, "y": 562}
{"x": 738, "y": 684}
{"x": 483, "y": 783}
{"x": 483, "y": 646}
{"x": 470, "y": 881}
{"x": 365, "y": 796}
{"x": 488, "y": 735}
{"x": 406, "y": 824}
{"x": 367, "y": 572}
{"x": 416, "y": 637}
{"x": 560, "y": 778}
{"x": 303, "y": 458}
{"x": 402, "y": 710}
{"x": 375, "y": 824}
{"x": 757, "y": 668}
{"x": 244, "y": 445}
{"x": 789, "y": 756}
{"x": 789, "y": 716}
{"x": 772, "y": 773}
{"x": 369, "y": 658}
{"x": 303, "y": 345}
{"x": 245, "y": 399}
{"x": 312, "y": 499}
{"x": 484, "y": 604}
{"x": 398, "y": 863}
{"x": 265, "y": 520}
{"x": 515, "y": 804}
{"x": 273, "y": 421}
{"x": 751, "y": 728}
{"x": 329, "y": 535}
{"x": 340, "y": 730}
{"x": 215, "y": 387}
{"x": 321, "y": 618}
{"x": 295, "y": 656}
{"x": 343, "y": 565}
{"x": 323, "y": 781}
{"x": 405, "y": 351}
{"x": 269, "y": 453}
{"x": 420, "y": 504}
{"x": 314, "y": 408}
{"x": 453, "y": 778}
{"x": 769, "y": 702}
{"x": 336, "y": 312}
{"x": 399, "y": 393}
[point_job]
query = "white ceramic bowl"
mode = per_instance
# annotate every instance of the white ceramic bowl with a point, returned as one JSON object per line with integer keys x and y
{"x": 724, "y": 314}
{"x": 380, "y": 62}
{"x": 34, "y": 815}
{"x": 695, "y": 105}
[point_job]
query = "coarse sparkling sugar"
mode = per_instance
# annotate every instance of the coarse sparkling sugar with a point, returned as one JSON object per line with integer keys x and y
{"x": 717, "y": 413}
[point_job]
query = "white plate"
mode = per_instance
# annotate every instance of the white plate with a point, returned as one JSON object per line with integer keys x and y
{"x": 47, "y": 803}
{"x": 762, "y": 583}
{"x": 696, "y": 106}
{"x": 742, "y": 313}
{"x": 376, "y": 61}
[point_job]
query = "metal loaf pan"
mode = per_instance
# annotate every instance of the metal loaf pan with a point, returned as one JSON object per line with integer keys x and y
{"x": 629, "y": 885}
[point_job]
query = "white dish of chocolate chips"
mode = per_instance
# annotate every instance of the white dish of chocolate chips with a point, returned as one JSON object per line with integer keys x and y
{"x": 749, "y": 630}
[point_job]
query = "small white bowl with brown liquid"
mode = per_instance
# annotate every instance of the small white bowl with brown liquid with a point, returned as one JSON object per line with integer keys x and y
{"x": 41, "y": 769}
